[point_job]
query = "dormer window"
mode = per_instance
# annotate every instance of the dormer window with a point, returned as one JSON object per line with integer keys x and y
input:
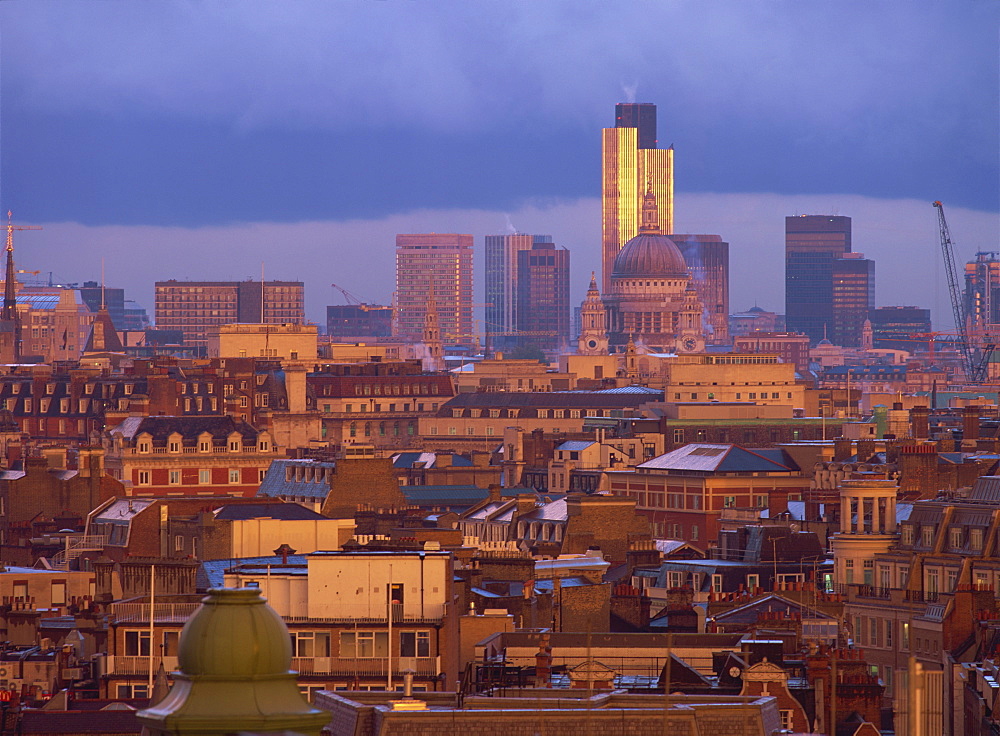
{"x": 144, "y": 447}
{"x": 50, "y": 388}
{"x": 174, "y": 446}
{"x": 234, "y": 445}
{"x": 129, "y": 388}
{"x": 976, "y": 539}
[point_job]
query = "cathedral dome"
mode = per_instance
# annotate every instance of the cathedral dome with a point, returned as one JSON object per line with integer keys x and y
{"x": 650, "y": 255}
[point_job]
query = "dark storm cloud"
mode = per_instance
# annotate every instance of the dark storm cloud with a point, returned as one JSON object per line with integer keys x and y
{"x": 213, "y": 112}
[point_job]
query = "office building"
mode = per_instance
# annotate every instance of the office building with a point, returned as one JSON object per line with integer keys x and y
{"x": 358, "y": 322}
{"x": 829, "y": 290}
{"x": 95, "y": 296}
{"x": 502, "y": 284}
{"x": 982, "y": 290}
{"x": 630, "y": 164}
{"x": 442, "y": 261}
{"x": 543, "y": 296}
{"x": 707, "y": 259}
{"x": 194, "y": 306}
{"x": 853, "y": 298}
{"x": 896, "y": 328}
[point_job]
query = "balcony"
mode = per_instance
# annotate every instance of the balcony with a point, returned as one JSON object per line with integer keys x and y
{"x": 164, "y": 613}
{"x": 119, "y": 666}
{"x": 367, "y": 667}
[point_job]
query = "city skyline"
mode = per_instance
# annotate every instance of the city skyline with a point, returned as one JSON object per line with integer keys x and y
{"x": 271, "y": 156}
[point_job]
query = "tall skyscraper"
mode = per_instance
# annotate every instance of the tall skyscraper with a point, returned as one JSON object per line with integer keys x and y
{"x": 501, "y": 284}
{"x": 442, "y": 261}
{"x": 195, "y": 306}
{"x": 853, "y": 298}
{"x": 707, "y": 259}
{"x": 982, "y": 290}
{"x": 543, "y": 296}
{"x": 631, "y": 163}
{"x": 828, "y": 289}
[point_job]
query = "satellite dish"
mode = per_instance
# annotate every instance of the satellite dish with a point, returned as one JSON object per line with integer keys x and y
{"x": 793, "y": 527}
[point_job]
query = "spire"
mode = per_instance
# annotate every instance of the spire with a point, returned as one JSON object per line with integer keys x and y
{"x": 650, "y": 217}
{"x": 9, "y": 287}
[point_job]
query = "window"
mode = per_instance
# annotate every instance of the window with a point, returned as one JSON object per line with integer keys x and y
{"x": 976, "y": 539}
{"x": 787, "y": 719}
{"x": 136, "y": 643}
{"x": 144, "y": 478}
{"x": 364, "y": 644}
{"x": 927, "y": 536}
{"x": 716, "y": 583}
{"x": 955, "y": 537}
{"x": 58, "y": 593}
{"x": 760, "y": 502}
{"x": 170, "y": 641}
{"x": 234, "y": 445}
{"x": 127, "y": 692}
{"x": 414, "y": 644}
{"x": 234, "y": 475}
{"x": 175, "y": 477}
{"x": 204, "y": 477}
{"x": 933, "y": 584}
{"x": 753, "y": 581}
{"x": 908, "y": 534}
{"x": 178, "y": 543}
{"x": 310, "y": 643}
{"x": 729, "y": 502}
{"x": 678, "y": 435}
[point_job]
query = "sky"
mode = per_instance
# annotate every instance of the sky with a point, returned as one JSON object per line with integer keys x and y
{"x": 202, "y": 139}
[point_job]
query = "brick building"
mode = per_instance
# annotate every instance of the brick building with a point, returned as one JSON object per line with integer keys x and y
{"x": 159, "y": 456}
{"x": 683, "y": 492}
{"x": 40, "y": 499}
{"x": 376, "y": 403}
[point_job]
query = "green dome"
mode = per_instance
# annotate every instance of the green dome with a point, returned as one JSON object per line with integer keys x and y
{"x": 235, "y": 634}
{"x": 234, "y": 674}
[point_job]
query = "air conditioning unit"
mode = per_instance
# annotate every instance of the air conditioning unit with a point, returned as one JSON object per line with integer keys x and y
{"x": 72, "y": 673}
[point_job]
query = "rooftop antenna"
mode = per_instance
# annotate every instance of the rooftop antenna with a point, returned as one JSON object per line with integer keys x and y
{"x": 104, "y": 304}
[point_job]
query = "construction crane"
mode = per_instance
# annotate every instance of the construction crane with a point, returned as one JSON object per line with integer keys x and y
{"x": 972, "y": 361}
{"x": 351, "y": 299}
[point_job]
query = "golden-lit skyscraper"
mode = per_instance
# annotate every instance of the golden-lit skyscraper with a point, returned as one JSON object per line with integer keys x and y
{"x": 630, "y": 161}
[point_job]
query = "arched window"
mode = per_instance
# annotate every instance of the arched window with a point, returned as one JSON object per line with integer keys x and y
{"x": 368, "y": 429}
{"x": 353, "y": 431}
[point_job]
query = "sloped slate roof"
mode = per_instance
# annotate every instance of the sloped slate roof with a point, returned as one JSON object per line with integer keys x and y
{"x": 715, "y": 458}
{"x": 68, "y": 721}
{"x": 407, "y": 459}
{"x": 275, "y": 483}
{"x": 286, "y": 511}
{"x": 749, "y": 613}
{"x": 575, "y": 445}
{"x": 211, "y": 572}
{"x": 456, "y": 495}
{"x": 552, "y": 399}
{"x": 161, "y": 427}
